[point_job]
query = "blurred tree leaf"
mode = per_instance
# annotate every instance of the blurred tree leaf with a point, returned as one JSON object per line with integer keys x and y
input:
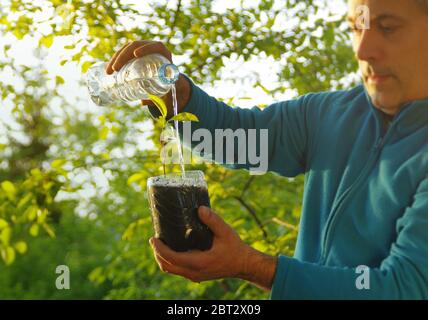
{"x": 9, "y": 190}
{"x": 46, "y": 41}
{"x": 184, "y": 116}
{"x": 21, "y": 247}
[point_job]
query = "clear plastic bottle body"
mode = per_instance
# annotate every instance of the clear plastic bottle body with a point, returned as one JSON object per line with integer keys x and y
{"x": 152, "y": 74}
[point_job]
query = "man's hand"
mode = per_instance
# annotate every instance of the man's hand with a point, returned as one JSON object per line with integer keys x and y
{"x": 136, "y": 49}
{"x": 229, "y": 257}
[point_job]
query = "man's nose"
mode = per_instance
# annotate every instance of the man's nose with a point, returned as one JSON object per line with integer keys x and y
{"x": 367, "y": 46}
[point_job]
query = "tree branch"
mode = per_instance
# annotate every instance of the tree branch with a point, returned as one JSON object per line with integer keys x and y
{"x": 285, "y": 224}
{"x": 253, "y": 214}
{"x": 247, "y": 185}
{"x": 174, "y": 22}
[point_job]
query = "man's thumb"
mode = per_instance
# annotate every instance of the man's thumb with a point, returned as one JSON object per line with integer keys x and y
{"x": 212, "y": 220}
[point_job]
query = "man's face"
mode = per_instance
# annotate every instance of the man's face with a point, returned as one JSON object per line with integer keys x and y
{"x": 393, "y": 53}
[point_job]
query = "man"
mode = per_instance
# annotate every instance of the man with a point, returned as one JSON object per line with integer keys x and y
{"x": 364, "y": 153}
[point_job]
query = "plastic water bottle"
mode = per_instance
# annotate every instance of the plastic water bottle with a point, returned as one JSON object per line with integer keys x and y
{"x": 152, "y": 74}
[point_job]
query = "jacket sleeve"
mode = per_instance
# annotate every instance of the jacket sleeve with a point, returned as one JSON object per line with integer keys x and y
{"x": 401, "y": 275}
{"x": 279, "y": 132}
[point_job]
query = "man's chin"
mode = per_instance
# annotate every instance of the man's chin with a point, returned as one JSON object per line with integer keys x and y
{"x": 388, "y": 103}
{"x": 385, "y": 96}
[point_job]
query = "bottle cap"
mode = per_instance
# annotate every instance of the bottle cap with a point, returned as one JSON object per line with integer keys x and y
{"x": 168, "y": 73}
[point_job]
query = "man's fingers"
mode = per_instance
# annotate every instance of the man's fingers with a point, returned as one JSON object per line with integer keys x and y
{"x": 165, "y": 266}
{"x": 153, "y": 47}
{"x": 184, "y": 259}
{"x": 109, "y": 68}
{"x": 125, "y": 55}
{"x": 213, "y": 221}
{"x": 133, "y": 50}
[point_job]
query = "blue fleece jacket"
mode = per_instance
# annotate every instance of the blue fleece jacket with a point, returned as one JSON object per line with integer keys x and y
{"x": 366, "y": 191}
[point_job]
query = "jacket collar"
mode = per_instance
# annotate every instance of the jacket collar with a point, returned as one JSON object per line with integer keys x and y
{"x": 411, "y": 116}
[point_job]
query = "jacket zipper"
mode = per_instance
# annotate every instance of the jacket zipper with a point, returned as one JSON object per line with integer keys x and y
{"x": 348, "y": 192}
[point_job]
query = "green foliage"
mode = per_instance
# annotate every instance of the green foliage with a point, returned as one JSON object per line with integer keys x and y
{"x": 53, "y": 210}
{"x": 25, "y": 209}
{"x": 79, "y": 244}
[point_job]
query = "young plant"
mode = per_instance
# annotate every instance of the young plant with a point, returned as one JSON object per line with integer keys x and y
{"x": 183, "y": 116}
{"x": 162, "y": 121}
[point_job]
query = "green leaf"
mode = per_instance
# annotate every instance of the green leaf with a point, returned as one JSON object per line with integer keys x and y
{"x": 184, "y": 116}
{"x": 103, "y": 133}
{"x": 115, "y": 129}
{"x": 5, "y": 235}
{"x": 34, "y": 230}
{"x": 41, "y": 215}
{"x": 161, "y": 122}
{"x": 49, "y": 230}
{"x": 3, "y": 224}
{"x": 129, "y": 232}
{"x": 18, "y": 34}
{"x": 97, "y": 276}
{"x": 8, "y": 255}
{"x": 24, "y": 200}
{"x": 9, "y": 189}
{"x": 59, "y": 80}
{"x": 159, "y": 104}
{"x": 111, "y": 116}
{"x": 76, "y": 57}
{"x": 58, "y": 163}
{"x": 135, "y": 177}
{"x": 21, "y": 247}
{"x": 46, "y": 41}
{"x": 86, "y": 65}
{"x": 36, "y": 173}
{"x": 102, "y": 119}
{"x": 260, "y": 245}
{"x": 105, "y": 156}
{"x": 31, "y": 213}
{"x": 63, "y": 62}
